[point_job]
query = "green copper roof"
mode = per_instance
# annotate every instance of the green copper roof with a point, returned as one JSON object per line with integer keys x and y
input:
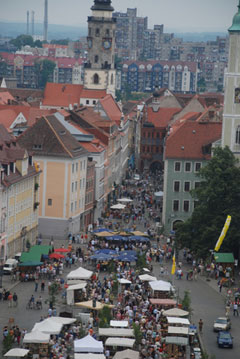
{"x": 236, "y": 21}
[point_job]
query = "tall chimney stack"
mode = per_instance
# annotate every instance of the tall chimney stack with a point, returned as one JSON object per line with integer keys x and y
{"x": 33, "y": 23}
{"x": 27, "y": 22}
{"x": 45, "y": 31}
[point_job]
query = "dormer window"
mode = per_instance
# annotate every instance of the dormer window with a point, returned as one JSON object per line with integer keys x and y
{"x": 37, "y": 147}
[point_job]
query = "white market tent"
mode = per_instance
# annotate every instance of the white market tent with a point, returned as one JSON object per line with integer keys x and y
{"x": 119, "y": 323}
{"x": 158, "y": 194}
{"x": 63, "y": 320}
{"x": 120, "y": 342}
{"x": 89, "y": 356}
{"x": 161, "y": 285}
{"x": 146, "y": 270}
{"x": 48, "y": 326}
{"x": 116, "y": 332}
{"x": 17, "y": 352}
{"x": 71, "y": 289}
{"x": 177, "y": 340}
{"x": 147, "y": 278}
{"x": 118, "y": 206}
{"x": 124, "y": 281}
{"x": 36, "y": 337}
{"x": 126, "y": 354}
{"x": 175, "y": 312}
{"x": 88, "y": 345}
{"x": 175, "y": 320}
{"x": 178, "y": 330}
{"x": 89, "y": 305}
{"x": 124, "y": 200}
{"x": 80, "y": 273}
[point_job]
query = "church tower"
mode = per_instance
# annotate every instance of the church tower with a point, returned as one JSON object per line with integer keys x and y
{"x": 231, "y": 115}
{"x": 100, "y": 73}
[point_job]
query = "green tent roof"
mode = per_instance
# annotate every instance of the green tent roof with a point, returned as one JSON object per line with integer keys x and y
{"x": 30, "y": 264}
{"x": 35, "y": 253}
{"x": 224, "y": 257}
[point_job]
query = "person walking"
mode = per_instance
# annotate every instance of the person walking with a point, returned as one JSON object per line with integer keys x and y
{"x": 15, "y": 299}
{"x": 200, "y": 326}
{"x": 36, "y": 285}
{"x": 10, "y": 300}
{"x": 235, "y": 309}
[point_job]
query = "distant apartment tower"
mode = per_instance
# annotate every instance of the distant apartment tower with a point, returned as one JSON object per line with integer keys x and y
{"x": 27, "y": 22}
{"x": 129, "y": 32}
{"x": 45, "y": 32}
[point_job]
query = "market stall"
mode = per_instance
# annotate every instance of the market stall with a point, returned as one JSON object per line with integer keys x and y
{"x": 79, "y": 274}
{"x": 161, "y": 289}
{"x": 127, "y": 354}
{"x": 88, "y": 345}
{"x": 75, "y": 293}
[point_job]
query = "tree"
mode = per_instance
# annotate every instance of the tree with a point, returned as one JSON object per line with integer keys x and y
{"x": 44, "y": 70}
{"x": 217, "y": 197}
{"x": 105, "y": 317}
{"x": 60, "y": 42}
{"x": 22, "y": 40}
{"x": 7, "y": 343}
{"x": 141, "y": 261}
{"x": 137, "y": 333}
{"x": 53, "y": 290}
{"x": 37, "y": 43}
{"x": 186, "y": 301}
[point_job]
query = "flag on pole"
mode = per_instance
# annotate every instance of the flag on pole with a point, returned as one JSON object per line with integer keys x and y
{"x": 223, "y": 234}
{"x": 173, "y": 265}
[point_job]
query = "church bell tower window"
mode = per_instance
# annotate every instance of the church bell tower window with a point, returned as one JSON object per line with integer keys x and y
{"x": 96, "y": 79}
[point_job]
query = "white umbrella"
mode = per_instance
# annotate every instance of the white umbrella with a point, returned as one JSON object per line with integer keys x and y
{"x": 147, "y": 278}
{"x": 158, "y": 194}
{"x": 16, "y": 352}
{"x": 126, "y": 200}
{"x": 118, "y": 206}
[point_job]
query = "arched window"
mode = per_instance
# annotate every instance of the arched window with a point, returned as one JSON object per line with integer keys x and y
{"x": 237, "y": 140}
{"x": 107, "y": 32}
{"x": 96, "y": 79}
{"x": 112, "y": 79}
{"x": 96, "y": 59}
{"x": 237, "y": 95}
{"x": 97, "y": 32}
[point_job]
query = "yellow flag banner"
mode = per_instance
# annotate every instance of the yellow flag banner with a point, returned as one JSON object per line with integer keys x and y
{"x": 173, "y": 265}
{"x": 223, "y": 234}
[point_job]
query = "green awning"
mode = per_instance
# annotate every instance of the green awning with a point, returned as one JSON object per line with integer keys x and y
{"x": 30, "y": 264}
{"x": 224, "y": 257}
{"x": 35, "y": 253}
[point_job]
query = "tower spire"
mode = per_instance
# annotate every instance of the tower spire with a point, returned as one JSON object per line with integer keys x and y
{"x": 236, "y": 22}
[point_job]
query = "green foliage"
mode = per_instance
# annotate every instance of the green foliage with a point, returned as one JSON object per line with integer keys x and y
{"x": 111, "y": 267}
{"x": 22, "y": 40}
{"x": 44, "y": 69}
{"x": 201, "y": 84}
{"x": 186, "y": 301}
{"x": 218, "y": 196}
{"x": 53, "y": 291}
{"x": 37, "y": 43}
{"x": 7, "y": 343}
{"x": 105, "y": 316}
{"x": 60, "y": 42}
{"x": 137, "y": 333}
{"x": 141, "y": 261}
{"x": 115, "y": 285}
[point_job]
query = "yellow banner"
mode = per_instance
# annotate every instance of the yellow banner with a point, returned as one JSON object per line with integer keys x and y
{"x": 173, "y": 265}
{"x": 223, "y": 234}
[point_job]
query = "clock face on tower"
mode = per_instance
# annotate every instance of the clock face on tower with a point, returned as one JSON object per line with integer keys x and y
{"x": 107, "y": 44}
{"x": 89, "y": 43}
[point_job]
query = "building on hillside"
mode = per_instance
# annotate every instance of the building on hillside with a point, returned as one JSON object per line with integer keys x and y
{"x": 100, "y": 73}
{"x": 61, "y": 157}
{"x": 19, "y": 181}
{"x": 23, "y": 67}
{"x": 188, "y": 147}
{"x": 231, "y": 116}
{"x": 157, "y": 114}
{"x": 145, "y": 76}
{"x": 129, "y": 33}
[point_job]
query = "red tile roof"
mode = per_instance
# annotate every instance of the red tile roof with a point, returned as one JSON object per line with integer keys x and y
{"x": 186, "y": 141}
{"x": 92, "y": 147}
{"x": 8, "y": 113}
{"x": 62, "y": 95}
{"x": 5, "y": 97}
{"x": 97, "y": 94}
{"x": 111, "y": 108}
{"x": 162, "y": 117}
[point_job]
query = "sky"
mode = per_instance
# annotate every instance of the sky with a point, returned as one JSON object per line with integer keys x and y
{"x": 181, "y": 15}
